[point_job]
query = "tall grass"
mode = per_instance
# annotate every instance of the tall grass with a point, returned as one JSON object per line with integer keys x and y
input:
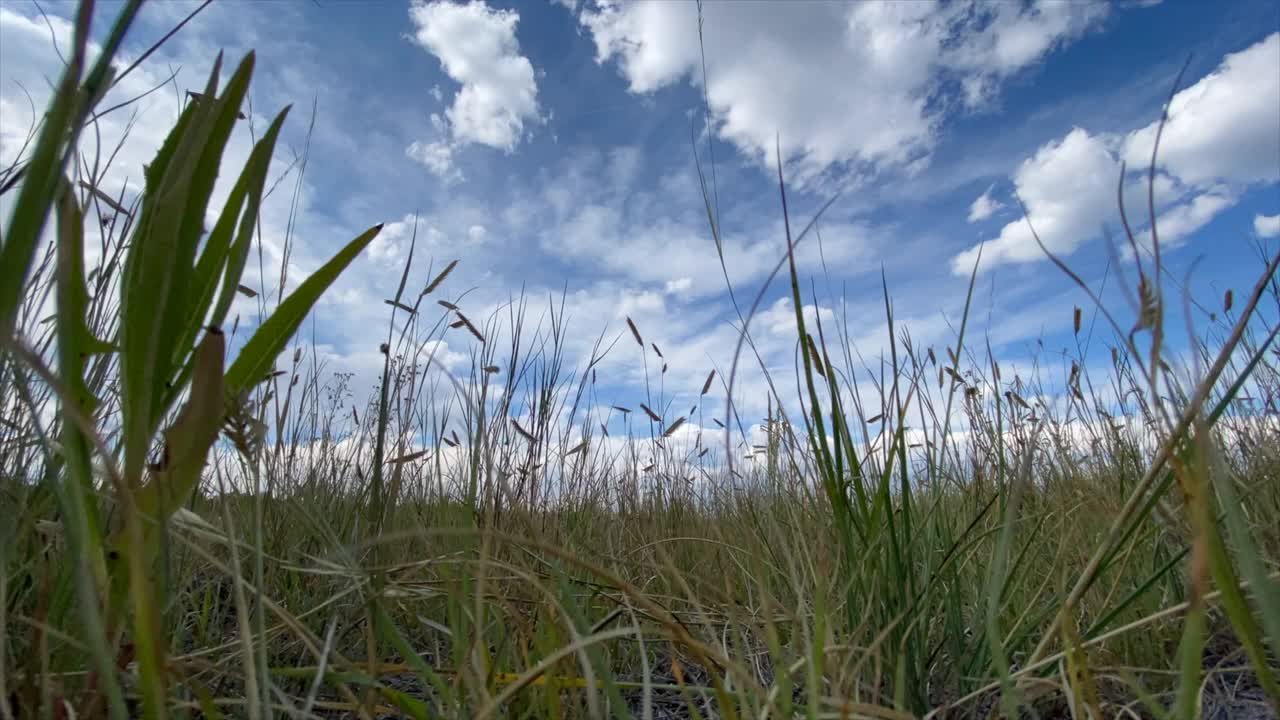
{"x": 189, "y": 536}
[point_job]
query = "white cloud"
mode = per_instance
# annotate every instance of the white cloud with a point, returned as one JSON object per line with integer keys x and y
{"x": 477, "y": 48}
{"x": 770, "y": 65}
{"x": 1223, "y": 134}
{"x": 440, "y": 352}
{"x": 436, "y": 157}
{"x": 391, "y": 246}
{"x": 1067, "y": 187}
{"x": 1175, "y": 221}
{"x": 1224, "y": 127}
{"x": 30, "y": 64}
{"x": 1018, "y": 36}
{"x": 779, "y": 320}
{"x": 984, "y": 206}
{"x": 1267, "y": 226}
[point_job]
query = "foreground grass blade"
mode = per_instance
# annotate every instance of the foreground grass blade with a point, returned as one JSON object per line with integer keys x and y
{"x": 63, "y": 122}
{"x": 268, "y": 341}
{"x": 76, "y": 491}
{"x": 156, "y": 280}
{"x": 222, "y": 261}
{"x": 1252, "y": 561}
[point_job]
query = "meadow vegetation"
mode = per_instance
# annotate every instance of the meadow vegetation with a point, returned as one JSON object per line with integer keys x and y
{"x": 191, "y": 535}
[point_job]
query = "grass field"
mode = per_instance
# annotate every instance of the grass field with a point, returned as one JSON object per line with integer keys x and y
{"x": 193, "y": 535}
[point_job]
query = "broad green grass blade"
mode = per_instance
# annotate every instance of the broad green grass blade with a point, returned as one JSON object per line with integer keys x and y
{"x": 238, "y": 251}
{"x": 188, "y": 441}
{"x": 1252, "y": 564}
{"x": 1241, "y": 616}
{"x": 187, "y": 313}
{"x": 76, "y": 491}
{"x": 223, "y": 258}
{"x": 256, "y": 357}
{"x": 155, "y": 279}
{"x": 143, "y": 537}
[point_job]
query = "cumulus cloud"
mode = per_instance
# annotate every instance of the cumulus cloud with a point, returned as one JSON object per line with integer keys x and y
{"x": 770, "y": 66}
{"x": 30, "y": 63}
{"x": 1067, "y": 182}
{"x": 498, "y": 94}
{"x": 385, "y": 248}
{"x": 391, "y": 246}
{"x": 1267, "y": 226}
{"x": 1223, "y": 128}
{"x": 1222, "y": 135}
{"x": 778, "y": 321}
{"x": 984, "y": 206}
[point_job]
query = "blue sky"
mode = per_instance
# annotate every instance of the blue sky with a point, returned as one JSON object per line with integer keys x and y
{"x": 550, "y": 147}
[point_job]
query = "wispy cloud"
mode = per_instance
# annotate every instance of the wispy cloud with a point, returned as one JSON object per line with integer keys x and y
{"x": 984, "y": 207}
{"x": 436, "y": 157}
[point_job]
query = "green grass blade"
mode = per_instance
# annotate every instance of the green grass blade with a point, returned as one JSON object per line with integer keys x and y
{"x": 188, "y": 441}
{"x": 238, "y": 253}
{"x": 1118, "y": 608}
{"x": 39, "y": 187}
{"x": 1252, "y": 565}
{"x": 76, "y": 493}
{"x": 387, "y": 630}
{"x": 223, "y": 259}
{"x": 1238, "y": 612}
{"x": 63, "y": 122}
{"x": 209, "y": 267}
{"x": 187, "y": 316}
{"x": 258, "y": 354}
{"x": 155, "y": 280}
